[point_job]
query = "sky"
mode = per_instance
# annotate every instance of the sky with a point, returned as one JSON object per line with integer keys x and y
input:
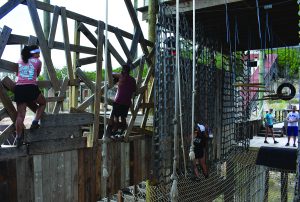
{"x": 20, "y": 23}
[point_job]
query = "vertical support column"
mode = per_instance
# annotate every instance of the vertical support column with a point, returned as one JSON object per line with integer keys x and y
{"x": 74, "y": 89}
{"x": 297, "y": 188}
{"x": 261, "y": 67}
{"x": 284, "y": 186}
{"x": 46, "y": 33}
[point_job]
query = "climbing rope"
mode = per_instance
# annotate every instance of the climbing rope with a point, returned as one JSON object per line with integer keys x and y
{"x": 174, "y": 189}
{"x": 192, "y": 153}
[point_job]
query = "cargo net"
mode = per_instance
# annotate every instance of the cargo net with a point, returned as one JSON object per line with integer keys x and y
{"x": 214, "y": 90}
{"x": 237, "y": 179}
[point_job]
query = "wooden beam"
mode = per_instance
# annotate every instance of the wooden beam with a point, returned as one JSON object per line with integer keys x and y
{"x": 42, "y": 42}
{"x": 85, "y": 79}
{"x": 85, "y": 61}
{"x": 135, "y": 41}
{"x": 7, "y": 103}
{"x": 52, "y": 133}
{"x": 3, "y": 114}
{"x": 17, "y": 39}
{"x": 67, "y": 43}
{"x": 96, "y": 109}
{"x": 109, "y": 72}
{"x": 55, "y": 99}
{"x": 88, "y": 34}
{"x": 8, "y": 83}
{"x": 124, "y": 46}
{"x": 51, "y": 37}
{"x": 4, "y": 38}
{"x": 32, "y": 40}
{"x": 140, "y": 72}
{"x": 62, "y": 93}
{"x": 12, "y": 153}
{"x": 8, "y": 6}
{"x": 71, "y": 119}
{"x": 8, "y": 66}
{"x": 58, "y": 145}
{"x": 86, "y": 20}
{"x": 74, "y": 90}
{"x": 137, "y": 26}
{"x": 115, "y": 53}
{"x": 86, "y": 103}
{"x": 6, "y": 133}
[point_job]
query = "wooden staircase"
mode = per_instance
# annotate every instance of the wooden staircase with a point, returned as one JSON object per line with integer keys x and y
{"x": 278, "y": 132}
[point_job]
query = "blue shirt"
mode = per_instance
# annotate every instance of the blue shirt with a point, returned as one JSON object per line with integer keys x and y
{"x": 269, "y": 119}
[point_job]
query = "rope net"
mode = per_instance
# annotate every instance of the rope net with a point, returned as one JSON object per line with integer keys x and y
{"x": 237, "y": 179}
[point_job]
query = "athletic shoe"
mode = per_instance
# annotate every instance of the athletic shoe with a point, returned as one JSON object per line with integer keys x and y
{"x": 287, "y": 144}
{"x": 34, "y": 126}
{"x": 294, "y": 145}
{"x": 266, "y": 142}
{"x": 275, "y": 142}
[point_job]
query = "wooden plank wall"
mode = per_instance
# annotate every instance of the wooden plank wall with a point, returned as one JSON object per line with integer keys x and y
{"x": 75, "y": 175}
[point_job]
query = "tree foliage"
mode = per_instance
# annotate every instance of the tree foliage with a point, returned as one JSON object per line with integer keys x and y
{"x": 288, "y": 62}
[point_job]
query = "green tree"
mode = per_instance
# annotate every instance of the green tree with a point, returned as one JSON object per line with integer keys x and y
{"x": 288, "y": 62}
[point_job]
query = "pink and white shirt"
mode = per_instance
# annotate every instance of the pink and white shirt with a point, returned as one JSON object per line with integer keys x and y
{"x": 28, "y": 72}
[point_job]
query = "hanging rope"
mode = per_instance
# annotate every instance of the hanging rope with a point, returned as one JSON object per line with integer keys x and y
{"x": 258, "y": 19}
{"x": 192, "y": 153}
{"x": 104, "y": 145}
{"x": 174, "y": 177}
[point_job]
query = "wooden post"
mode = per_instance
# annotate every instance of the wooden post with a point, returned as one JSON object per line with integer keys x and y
{"x": 97, "y": 99}
{"x": 261, "y": 67}
{"x": 74, "y": 89}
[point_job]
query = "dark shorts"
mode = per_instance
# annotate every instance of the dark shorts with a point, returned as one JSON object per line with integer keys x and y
{"x": 26, "y": 93}
{"x": 120, "y": 110}
{"x": 270, "y": 126}
{"x": 199, "y": 153}
{"x": 292, "y": 131}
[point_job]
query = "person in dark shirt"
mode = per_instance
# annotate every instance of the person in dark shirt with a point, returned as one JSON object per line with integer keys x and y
{"x": 122, "y": 101}
{"x": 200, "y": 142}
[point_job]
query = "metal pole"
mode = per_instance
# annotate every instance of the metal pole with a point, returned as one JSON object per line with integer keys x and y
{"x": 105, "y": 173}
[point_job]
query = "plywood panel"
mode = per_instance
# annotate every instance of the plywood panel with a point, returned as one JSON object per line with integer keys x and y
{"x": 8, "y": 181}
{"x": 25, "y": 176}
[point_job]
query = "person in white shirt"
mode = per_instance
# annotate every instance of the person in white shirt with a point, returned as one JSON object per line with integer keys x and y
{"x": 292, "y": 129}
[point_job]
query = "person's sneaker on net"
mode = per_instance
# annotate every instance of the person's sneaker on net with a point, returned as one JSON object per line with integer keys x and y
{"x": 266, "y": 142}
{"x": 287, "y": 144}
{"x": 275, "y": 142}
{"x": 34, "y": 125}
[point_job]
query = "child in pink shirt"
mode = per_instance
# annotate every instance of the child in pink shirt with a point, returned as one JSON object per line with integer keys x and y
{"x": 26, "y": 90}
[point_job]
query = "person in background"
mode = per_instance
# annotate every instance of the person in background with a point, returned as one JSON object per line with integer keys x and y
{"x": 269, "y": 126}
{"x": 292, "y": 129}
{"x": 122, "y": 102}
{"x": 200, "y": 143}
{"x": 26, "y": 90}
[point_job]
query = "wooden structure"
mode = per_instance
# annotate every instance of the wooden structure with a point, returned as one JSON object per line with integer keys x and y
{"x": 59, "y": 157}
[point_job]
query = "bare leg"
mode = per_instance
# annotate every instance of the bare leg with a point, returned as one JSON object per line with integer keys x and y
{"x": 123, "y": 123}
{"x": 195, "y": 168}
{"x": 21, "y": 112}
{"x": 203, "y": 166}
{"x": 41, "y": 108}
{"x": 266, "y": 135}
